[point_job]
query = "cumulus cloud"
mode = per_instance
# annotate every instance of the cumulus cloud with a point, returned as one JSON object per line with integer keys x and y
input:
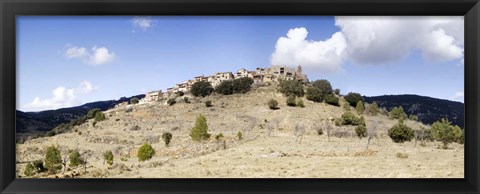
{"x": 295, "y": 49}
{"x": 458, "y": 96}
{"x": 61, "y": 97}
{"x": 142, "y": 23}
{"x": 97, "y": 56}
{"x": 385, "y": 39}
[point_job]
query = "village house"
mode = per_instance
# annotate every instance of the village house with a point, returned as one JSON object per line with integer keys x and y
{"x": 152, "y": 96}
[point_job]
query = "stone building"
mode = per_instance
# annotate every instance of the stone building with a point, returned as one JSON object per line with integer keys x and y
{"x": 152, "y": 96}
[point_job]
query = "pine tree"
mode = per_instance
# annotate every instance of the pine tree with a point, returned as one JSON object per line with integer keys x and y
{"x": 200, "y": 130}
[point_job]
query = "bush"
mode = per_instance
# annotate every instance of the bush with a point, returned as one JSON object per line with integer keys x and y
{"x": 346, "y": 106}
{"x": 332, "y": 100}
{"x": 239, "y": 135}
{"x": 185, "y": 99}
{"x": 314, "y": 94}
{"x": 225, "y": 87}
{"x": 242, "y": 85}
{"x": 75, "y": 159}
{"x": 373, "y": 109}
{"x": 361, "y": 131}
{"x": 323, "y": 85}
{"x": 397, "y": 113}
{"x": 208, "y": 103}
{"x": 53, "y": 159}
{"x": 29, "y": 170}
{"x": 134, "y": 100}
{"x": 99, "y": 116}
{"x": 360, "y": 107}
{"x": 353, "y": 98}
{"x": 291, "y": 88}
{"x": 91, "y": 113}
{"x": 348, "y": 118}
{"x": 337, "y": 91}
{"x": 300, "y": 103}
{"x": 171, "y": 101}
{"x": 413, "y": 117}
{"x": 180, "y": 93}
{"x": 402, "y": 155}
{"x": 201, "y": 88}
{"x": 200, "y": 130}
{"x": 446, "y": 133}
{"x": 145, "y": 152}
{"x": 273, "y": 104}
{"x": 219, "y": 137}
{"x": 38, "y": 164}
{"x": 108, "y": 157}
{"x": 167, "y": 137}
{"x": 400, "y": 132}
{"x": 291, "y": 101}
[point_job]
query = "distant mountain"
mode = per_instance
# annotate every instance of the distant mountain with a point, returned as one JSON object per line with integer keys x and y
{"x": 427, "y": 109}
{"x": 49, "y": 119}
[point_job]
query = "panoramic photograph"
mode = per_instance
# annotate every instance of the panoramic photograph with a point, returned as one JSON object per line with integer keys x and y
{"x": 240, "y": 97}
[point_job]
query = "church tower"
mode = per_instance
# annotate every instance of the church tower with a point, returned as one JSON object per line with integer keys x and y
{"x": 299, "y": 69}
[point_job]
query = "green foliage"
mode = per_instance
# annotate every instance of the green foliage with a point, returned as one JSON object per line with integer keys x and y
{"x": 314, "y": 94}
{"x": 240, "y": 85}
{"x": 413, "y": 117}
{"x": 186, "y": 100}
{"x": 38, "y": 164}
{"x": 300, "y": 103}
{"x": 167, "y": 137}
{"x": 180, "y": 93}
{"x": 134, "y": 100}
{"x": 361, "y": 131}
{"x": 346, "y": 106}
{"x": 337, "y": 91}
{"x": 225, "y": 87}
{"x": 219, "y": 137}
{"x": 53, "y": 159}
{"x": 91, "y": 113}
{"x": 29, "y": 170}
{"x": 200, "y": 130}
{"x": 171, "y": 101}
{"x": 239, "y": 135}
{"x": 75, "y": 158}
{"x": 291, "y": 88}
{"x": 400, "y": 132}
{"x": 99, "y": 116}
{"x": 108, "y": 157}
{"x": 348, "y": 118}
{"x": 94, "y": 123}
{"x": 291, "y": 101}
{"x": 397, "y": 113}
{"x": 445, "y": 132}
{"x": 273, "y": 104}
{"x": 323, "y": 85}
{"x": 208, "y": 103}
{"x": 332, "y": 100}
{"x": 145, "y": 152}
{"x": 373, "y": 109}
{"x": 201, "y": 88}
{"x": 360, "y": 107}
{"x": 353, "y": 98}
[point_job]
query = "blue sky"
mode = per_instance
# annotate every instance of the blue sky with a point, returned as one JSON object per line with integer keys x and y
{"x": 68, "y": 61}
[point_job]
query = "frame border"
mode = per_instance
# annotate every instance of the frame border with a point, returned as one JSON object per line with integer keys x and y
{"x": 9, "y": 9}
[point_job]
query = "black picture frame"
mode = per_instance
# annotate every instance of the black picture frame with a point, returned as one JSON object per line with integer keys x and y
{"x": 9, "y": 9}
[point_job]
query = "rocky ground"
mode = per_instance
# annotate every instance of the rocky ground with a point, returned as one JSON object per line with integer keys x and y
{"x": 266, "y": 150}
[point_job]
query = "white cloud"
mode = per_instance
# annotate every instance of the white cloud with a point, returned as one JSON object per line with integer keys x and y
{"x": 62, "y": 97}
{"x": 458, "y": 96}
{"x": 385, "y": 39}
{"x": 98, "y": 56}
{"x": 142, "y": 22}
{"x": 295, "y": 50}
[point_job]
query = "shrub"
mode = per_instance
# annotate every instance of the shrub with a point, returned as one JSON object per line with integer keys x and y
{"x": 360, "y": 107}
{"x": 332, "y": 100}
{"x": 314, "y": 94}
{"x": 400, "y": 132}
{"x": 180, "y": 93}
{"x": 171, "y": 101}
{"x": 99, "y": 116}
{"x": 402, "y": 155}
{"x": 337, "y": 91}
{"x": 219, "y": 137}
{"x": 75, "y": 159}
{"x": 134, "y": 100}
{"x": 225, "y": 87}
{"x": 291, "y": 101}
{"x": 445, "y": 132}
{"x": 373, "y": 109}
{"x": 201, "y": 88}
{"x": 242, "y": 85}
{"x": 91, "y": 113}
{"x": 200, "y": 130}
{"x": 353, "y": 98}
{"x": 273, "y": 104}
{"x": 346, "y": 106}
{"x": 291, "y": 88}
{"x": 208, "y": 103}
{"x": 145, "y": 152}
{"x": 53, "y": 159}
{"x": 94, "y": 123}
{"x": 397, "y": 113}
{"x": 361, "y": 131}
{"x": 38, "y": 164}
{"x": 108, "y": 157}
{"x": 239, "y": 135}
{"x": 167, "y": 137}
{"x": 348, "y": 118}
{"x": 300, "y": 103}
{"x": 29, "y": 170}
{"x": 413, "y": 117}
{"x": 185, "y": 99}
{"x": 323, "y": 85}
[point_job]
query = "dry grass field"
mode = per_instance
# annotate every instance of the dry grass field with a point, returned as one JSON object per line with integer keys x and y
{"x": 264, "y": 151}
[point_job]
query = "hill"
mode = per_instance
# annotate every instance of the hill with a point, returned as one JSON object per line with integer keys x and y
{"x": 427, "y": 109}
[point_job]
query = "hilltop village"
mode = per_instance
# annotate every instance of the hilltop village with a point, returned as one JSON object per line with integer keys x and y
{"x": 260, "y": 76}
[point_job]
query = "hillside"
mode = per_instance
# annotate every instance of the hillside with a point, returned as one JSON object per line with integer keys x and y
{"x": 270, "y": 146}
{"x": 427, "y": 109}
